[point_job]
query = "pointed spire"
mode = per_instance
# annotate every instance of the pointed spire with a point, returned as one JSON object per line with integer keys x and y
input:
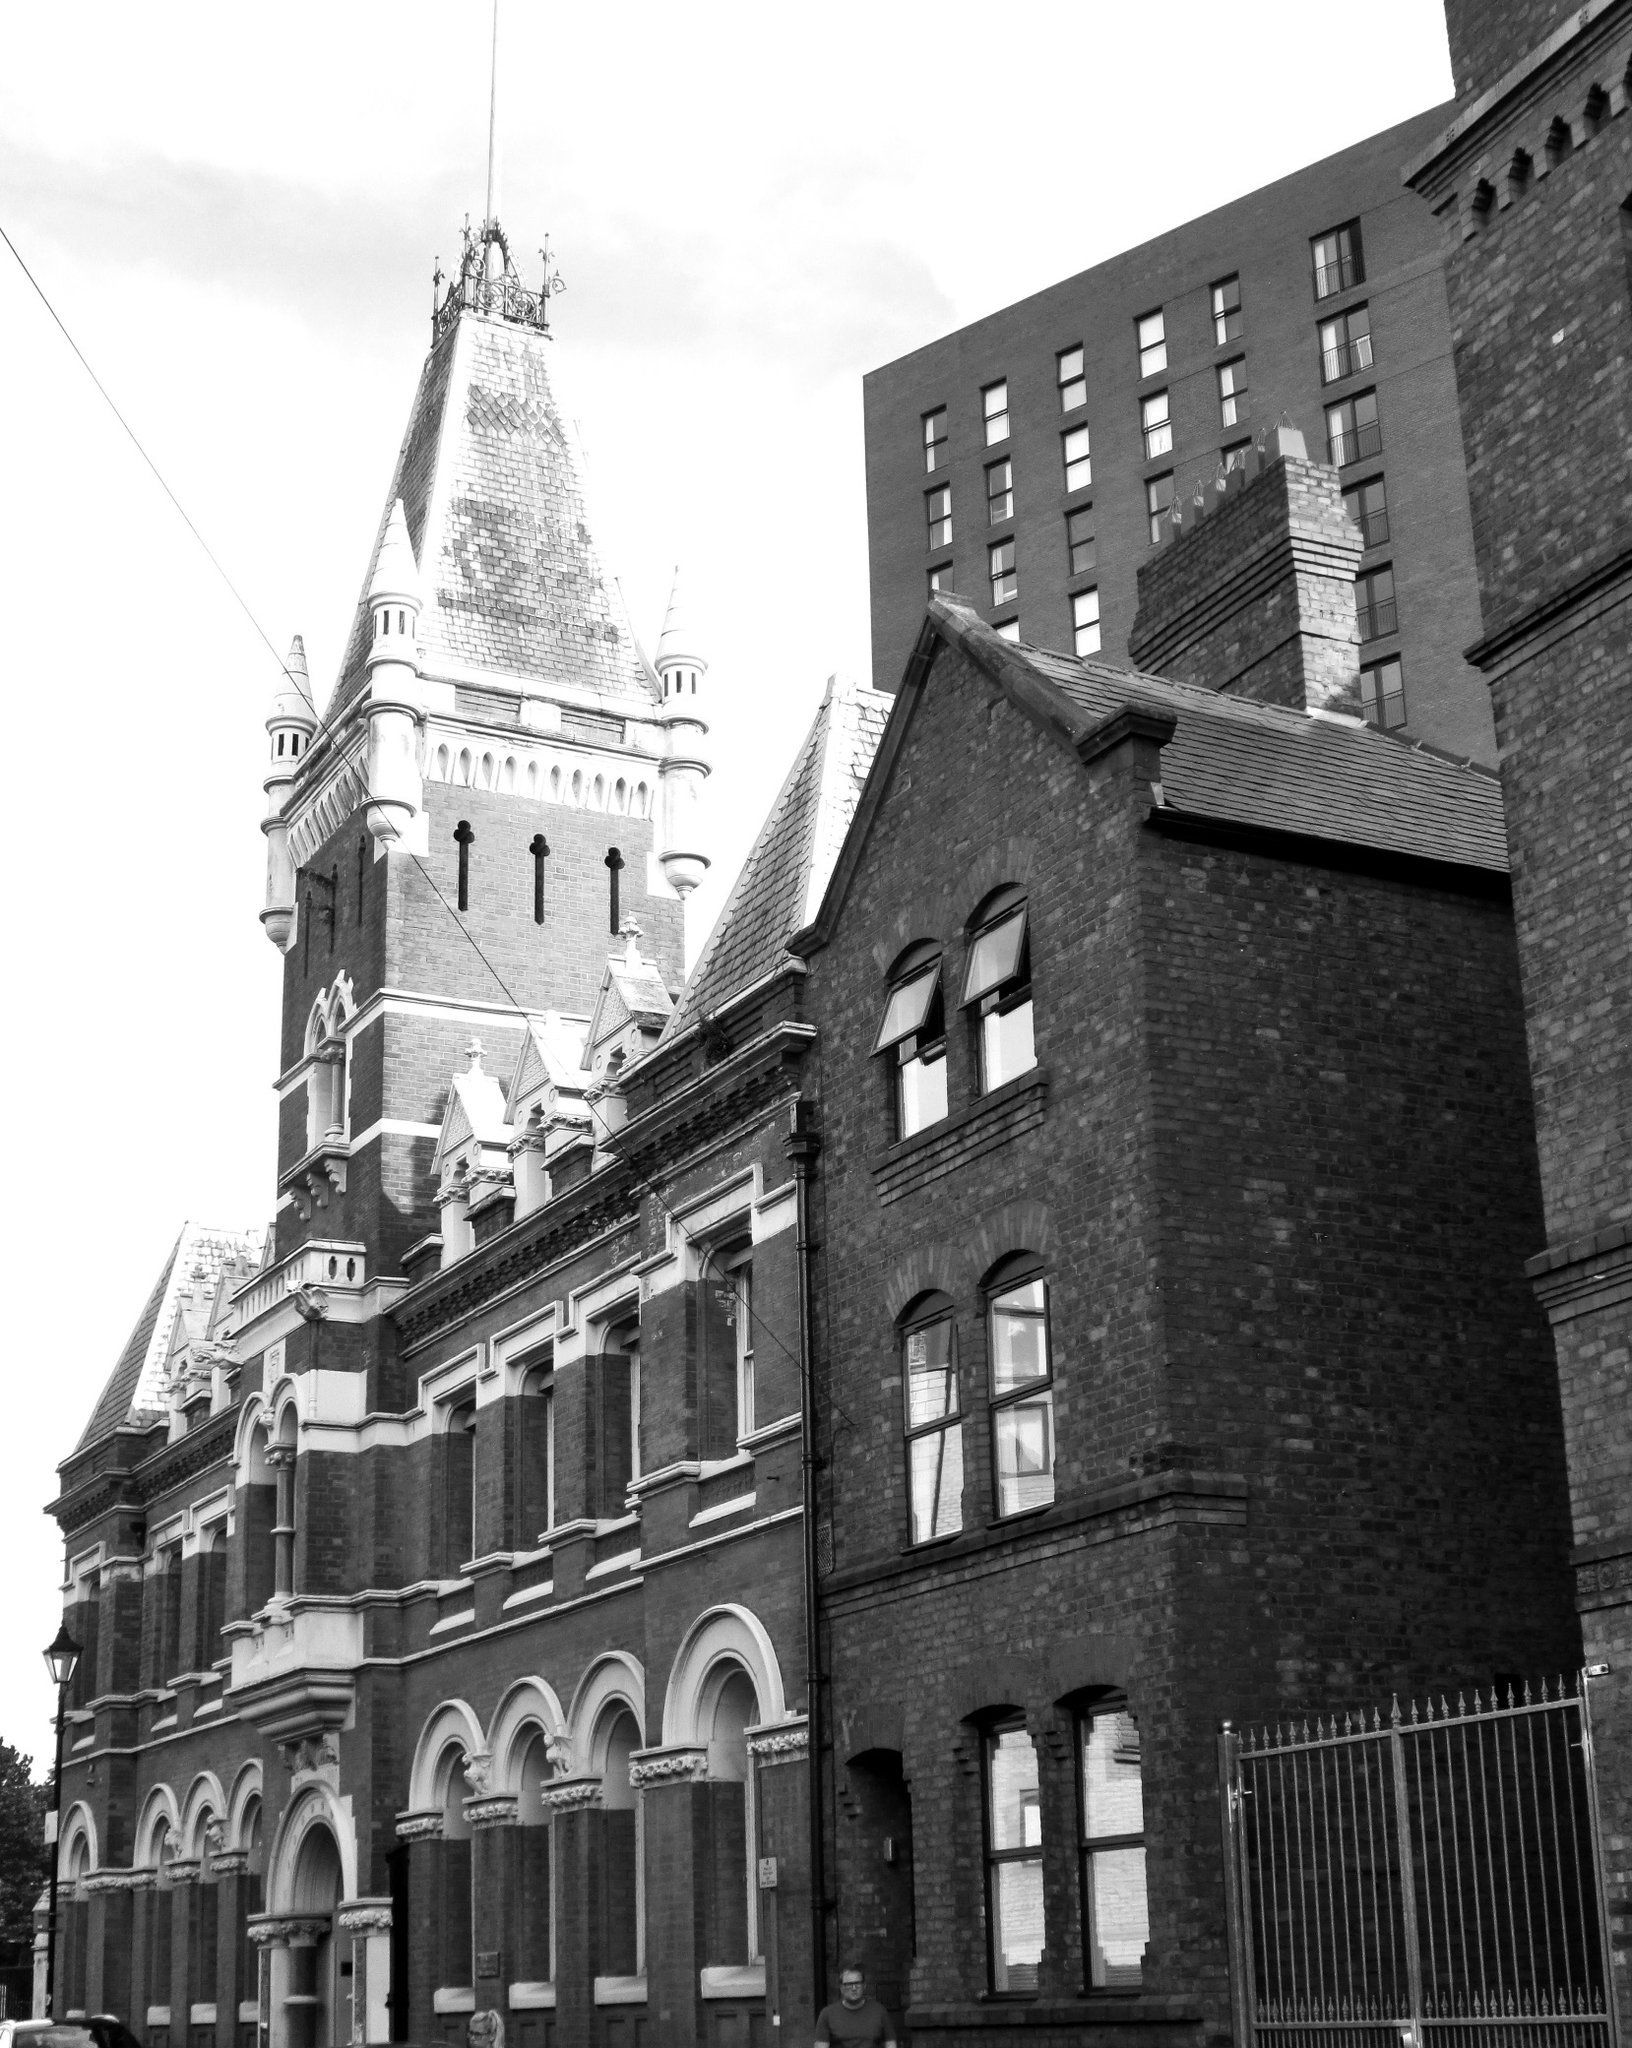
{"x": 678, "y": 642}
{"x": 396, "y": 573}
{"x": 292, "y": 702}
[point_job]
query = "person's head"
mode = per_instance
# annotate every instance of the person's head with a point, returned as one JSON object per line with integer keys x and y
{"x": 852, "y": 1986}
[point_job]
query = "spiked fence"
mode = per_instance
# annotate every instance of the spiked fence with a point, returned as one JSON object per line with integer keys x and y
{"x": 1431, "y": 1878}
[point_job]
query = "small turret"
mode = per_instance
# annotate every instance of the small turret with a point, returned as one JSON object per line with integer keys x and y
{"x": 682, "y": 671}
{"x": 291, "y": 722}
{"x": 396, "y": 706}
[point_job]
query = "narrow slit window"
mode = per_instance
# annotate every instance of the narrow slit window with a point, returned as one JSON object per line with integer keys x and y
{"x": 464, "y": 838}
{"x": 934, "y": 1423}
{"x": 1115, "y": 1907}
{"x": 614, "y": 868}
{"x": 539, "y": 848}
{"x": 1014, "y": 1859}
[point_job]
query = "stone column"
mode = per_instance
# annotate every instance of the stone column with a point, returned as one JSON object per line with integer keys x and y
{"x": 422, "y": 1832}
{"x": 366, "y": 1924}
{"x": 141, "y": 1893}
{"x": 780, "y": 1755}
{"x": 109, "y": 1944}
{"x": 1053, "y": 1731}
{"x": 281, "y": 1459}
{"x": 492, "y": 1818}
{"x": 288, "y": 1999}
{"x": 184, "y": 1875}
{"x": 670, "y": 1783}
{"x": 230, "y": 1868}
{"x": 572, "y": 1804}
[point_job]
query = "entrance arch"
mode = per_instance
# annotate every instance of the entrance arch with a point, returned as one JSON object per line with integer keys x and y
{"x": 316, "y": 2007}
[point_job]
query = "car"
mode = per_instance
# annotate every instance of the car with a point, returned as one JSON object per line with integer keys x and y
{"x": 99, "y": 2030}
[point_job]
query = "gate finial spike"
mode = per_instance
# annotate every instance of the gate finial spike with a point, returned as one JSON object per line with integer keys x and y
{"x": 1462, "y": 1705}
{"x": 1394, "y": 1711}
{"x": 1527, "y": 1691}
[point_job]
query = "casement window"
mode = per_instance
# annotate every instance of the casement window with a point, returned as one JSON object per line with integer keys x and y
{"x": 534, "y": 1497}
{"x": 1353, "y": 430}
{"x": 1111, "y": 1847}
{"x": 1156, "y": 425}
{"x": 1000, "y": 567}
{"x": 1382, "y": 693}
{"x": 1158, "y": 503}
{"x": 994, "y": 408}
{"x": 1077, "y": 457}
{"x": 167, "y": 1645}
{"x": 1079, "y": 540}
{"x": 913, "y": 1037}
{"x": 935, "y": 454}
{"x": 1338, "y": 261}
{"x": 999, "y": 492}
{"x": 1150, "y": 333}
{"x": 619, "y": 1420}
{"x": 1014, "y": 1859}
{"x": 1226, "y": 311}
{"x": 934, "y": 1422}
{"x": 1374, "y": 605}
{"x": 1345, "y": 344}
{"x": 938, "y": 515}
{"x": 1085, "y": 622}
{"x": 1232, "y": 392}
{"x": 1367, "y": 505}
{"x": 997, "y": 987}
{"x": 211, "y": 1608}
{"x": 940, "y": 578}
{"x": 459, "y": 1488}
{"x": 1022, "y": 1389}
{"x": 728, "y": 1388}
{"x": 1068, "y": 374}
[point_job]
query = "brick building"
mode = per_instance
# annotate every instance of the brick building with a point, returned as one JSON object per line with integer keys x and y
{"x": 1532, "y": 187}
{"x": 1178, "y": 1176}
{"x": 1024, "y": 461}
{"x": 439, "y": 1561}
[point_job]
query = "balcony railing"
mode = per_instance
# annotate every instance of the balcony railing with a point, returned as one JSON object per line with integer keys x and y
{"x": 1373, "y": 527}
{"x": 1376, "y": 619}
{"x": 1348, "y": 359}
{"x": 1354, "y": 444}
{"x": 1337, "y": 274}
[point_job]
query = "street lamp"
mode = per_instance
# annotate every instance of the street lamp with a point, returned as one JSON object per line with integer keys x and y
{"x": 62, "y": 1661}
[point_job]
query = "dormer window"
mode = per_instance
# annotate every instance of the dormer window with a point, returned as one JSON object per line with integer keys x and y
{"x": 913, "y": 1035}
{"x": 997, "y": 986}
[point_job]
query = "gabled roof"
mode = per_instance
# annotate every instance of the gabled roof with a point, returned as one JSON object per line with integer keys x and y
{"x": 786, "y": 872}
{"x": 475, "y": 1109}
{"x": 135, "y": 1388}
{"x": 493, "y": 508}
{"x": 632, "y": 991}
{"x": 552, "y": 1056}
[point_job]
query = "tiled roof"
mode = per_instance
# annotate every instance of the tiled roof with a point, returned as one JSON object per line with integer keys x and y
{"x": 1269, "y": 766}
{"x": 135, "y": 1386}
{"x": 787, "y": 869}
{"x": 489, "y": 483}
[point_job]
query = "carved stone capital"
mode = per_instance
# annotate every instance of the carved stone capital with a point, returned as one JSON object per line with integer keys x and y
{"x": 287, "y": 1930}
{"x": 363, "y": 1916}
{"x": 185, "y": 1870}
{"x": 570, "y": 1795}
{"x": 684, "y": 1764}
{"x": 111, "y": 1881}
{"x": 495, "y": 1810}
{"x": 280, "y": 1457}
{"x": 229, "y": 1862}
{"x": 422, "y": 1825}
{"x": 780, "y": 1745}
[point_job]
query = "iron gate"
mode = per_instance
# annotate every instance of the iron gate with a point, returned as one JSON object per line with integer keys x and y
{"x": 1431, "y": 1879}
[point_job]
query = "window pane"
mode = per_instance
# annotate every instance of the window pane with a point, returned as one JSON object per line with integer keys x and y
{"x": 1009, "y": 630}
{"x": 1006, "y": 1044}
{"x": 1118, "y": 1917}
{"x": 1019, "y": 1336}
{"x": 932, "y": 1381}
{"x": 907, "y": 1006}
{"x": 1113, "y": 1799}
{"x": 935, "y": 1464}
{"x": 1017, "y": 1924}
{"x": 923, "y": 1091}
{"x": 994, "y": 956}
{"x": 1070, "y": 365}
{"x": 1016, "y": 1803}
{"x": 1024, "y": 1436}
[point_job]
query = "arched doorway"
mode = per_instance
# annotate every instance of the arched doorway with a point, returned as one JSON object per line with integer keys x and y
{"x": 317, "y": 2003}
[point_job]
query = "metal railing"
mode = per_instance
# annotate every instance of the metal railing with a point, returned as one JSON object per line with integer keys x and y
{"x": 1337, "y": 274}
{"x": 1354, "y": 444}
{"x": 1348, "y": 359}
{"x": 1377, "y": 618}
{"x": 1373, "y": 526}
{"x": 1424, "y": 1880}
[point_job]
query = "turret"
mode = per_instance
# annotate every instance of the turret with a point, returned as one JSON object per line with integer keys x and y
{"x": 396, "y": 705}
{"x": 682, "y": 671}
{"x": 291, "y": 723}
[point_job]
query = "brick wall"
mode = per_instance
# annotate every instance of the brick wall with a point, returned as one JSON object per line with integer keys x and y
{"x": 1488, "y": 37}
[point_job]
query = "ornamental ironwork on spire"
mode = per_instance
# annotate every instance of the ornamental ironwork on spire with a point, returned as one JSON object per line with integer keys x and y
{"x": 489, "y": 283}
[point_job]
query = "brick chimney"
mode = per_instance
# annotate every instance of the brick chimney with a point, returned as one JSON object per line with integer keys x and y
{"x": 1254, "y": 593}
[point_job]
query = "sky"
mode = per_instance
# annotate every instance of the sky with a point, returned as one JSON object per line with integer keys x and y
{"x": 235, "y": 213}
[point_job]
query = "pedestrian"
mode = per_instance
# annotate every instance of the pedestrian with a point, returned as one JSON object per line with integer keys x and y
{"x": 856, "y": 2017}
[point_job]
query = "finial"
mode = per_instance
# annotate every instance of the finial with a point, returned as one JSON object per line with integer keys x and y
{"x": 629, "y": 932}
{"x": 473, "y": 1052}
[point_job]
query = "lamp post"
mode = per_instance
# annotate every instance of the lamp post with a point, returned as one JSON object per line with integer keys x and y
{"x": 62, "y": 1661}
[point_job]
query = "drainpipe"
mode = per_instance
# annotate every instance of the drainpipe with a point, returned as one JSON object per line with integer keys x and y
{"x": 801, "y": 1146}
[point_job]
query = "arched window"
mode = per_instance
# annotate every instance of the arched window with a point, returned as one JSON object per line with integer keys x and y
{"x": 1111, "y": 1844}
{"x": 622, "y": 1941}
{"x": 257, "y": 1518}
{"x": 531, "y": 1872}
{"x": 251, "y": 1894}
{"x": 728, "y": 1351}
{"x": 1014, "y": 1856}
{"x": 160, "y": 1905}
{"x": 459, "y": 1488}
{"x": 617, "y": 1416}
{"x": 535, "y": 1457}
{"x": 212, "y": 1594}
{"x": 730, "y": 1894}
{"x": 71, "y": 1967}
{"x": 913, "y": 1038}
{"x": 1022, "y": 1386}
{"x": 167, "y": 1646}
{"x": 456, "y": 1964}
{"x": 203, "y": 1919}
{"x": 934, "y": 1423}
{"x": 997, "y": 987}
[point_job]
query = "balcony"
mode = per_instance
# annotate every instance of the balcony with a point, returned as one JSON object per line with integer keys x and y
{"x": 1334, "y": 274}
{"x": 323, "y": 1263}
{"x": 1354, "y": 444}
{"x": 1378, "y": 618}
{"x": 1347, "y": 359}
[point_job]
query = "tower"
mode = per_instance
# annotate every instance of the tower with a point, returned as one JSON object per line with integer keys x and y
{"x": 681, "y": 671}
{"x": 453, "y": 847}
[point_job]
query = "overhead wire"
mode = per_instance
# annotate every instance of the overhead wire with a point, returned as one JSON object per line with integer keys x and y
{"x": 522, "y": 1010}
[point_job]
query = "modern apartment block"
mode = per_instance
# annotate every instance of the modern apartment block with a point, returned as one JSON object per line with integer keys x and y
{"x": 1027, "y": 462}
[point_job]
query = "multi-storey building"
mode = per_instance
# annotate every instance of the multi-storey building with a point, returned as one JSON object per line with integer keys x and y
{"x": 1027, "y": 461}
{"x": 1531, "y": 186}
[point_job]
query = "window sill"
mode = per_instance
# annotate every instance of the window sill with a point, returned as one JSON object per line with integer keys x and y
{"x": 1013, "y": 1107}
{"x": 620, "y": 1990}
{"x": 531, "y": 1997}
{"x": 732, "y": 1980}
{"x": 1089, "y": 2009}
{"x": 454, "y": 1998}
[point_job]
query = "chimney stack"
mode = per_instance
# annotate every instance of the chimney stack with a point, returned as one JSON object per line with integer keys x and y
{"x": 1254, "y": 594}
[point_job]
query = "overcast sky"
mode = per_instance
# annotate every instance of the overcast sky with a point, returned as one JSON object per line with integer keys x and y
{"x": 235, "y": 212}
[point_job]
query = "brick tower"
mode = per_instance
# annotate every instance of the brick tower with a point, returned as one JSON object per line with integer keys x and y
{"x": 1533, "y": 184}
{"x": 455, "y": 844}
